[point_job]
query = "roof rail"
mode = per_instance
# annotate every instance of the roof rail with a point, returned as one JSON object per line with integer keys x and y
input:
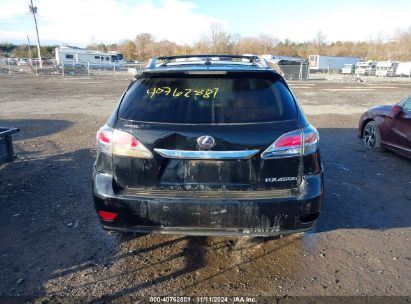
{"x": 152, "y": 64}
{"x": 250, "y": 57}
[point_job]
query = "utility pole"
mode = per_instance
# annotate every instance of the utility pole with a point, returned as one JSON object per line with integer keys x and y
{"x": 33, "y": 11}
{"x": 28, "y": 43}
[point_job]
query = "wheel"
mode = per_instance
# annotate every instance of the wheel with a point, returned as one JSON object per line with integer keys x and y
{"x": 371, "y": 136}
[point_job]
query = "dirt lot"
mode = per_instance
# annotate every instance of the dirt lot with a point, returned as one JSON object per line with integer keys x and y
{"x": 53, "y": 247}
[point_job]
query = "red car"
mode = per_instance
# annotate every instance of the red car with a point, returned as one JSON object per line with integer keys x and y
{"x": 388, "y": 126}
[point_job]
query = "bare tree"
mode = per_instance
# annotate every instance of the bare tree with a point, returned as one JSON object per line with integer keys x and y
{"x": 166, "y": 47}
{"x": 397, "y": 46}
{"x": 219, "y": 41}
{"x": 319, "y": 42}
{"x": 128, "y": 49}
{"x": 144, "y": 43}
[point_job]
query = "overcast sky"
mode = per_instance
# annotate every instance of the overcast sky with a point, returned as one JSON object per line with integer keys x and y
{"x": 79, "y": 22}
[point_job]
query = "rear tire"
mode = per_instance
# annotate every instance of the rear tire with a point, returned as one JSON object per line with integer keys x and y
{"x": 371, "y": 136}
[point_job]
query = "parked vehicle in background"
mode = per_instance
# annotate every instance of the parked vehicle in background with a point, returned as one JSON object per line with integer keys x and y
{"x": 348, "y": 69}
{"x": 77, "y": 57}
{"x": 12, "y": 61}
{"x": 386, "y": 68}
{"x": 211, "y": 146}
{"x": 404, "y": 69}
{"x": 325, "y": 63}
{"x": 388, "y": 126}
{"x": 23, "y": 61}
{"x": 366, "y": 68}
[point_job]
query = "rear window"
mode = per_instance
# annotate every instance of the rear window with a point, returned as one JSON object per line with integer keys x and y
{"x": 208, "y": 100}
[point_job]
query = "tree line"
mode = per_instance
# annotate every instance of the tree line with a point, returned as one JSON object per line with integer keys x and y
{"x": 218, "y": 41}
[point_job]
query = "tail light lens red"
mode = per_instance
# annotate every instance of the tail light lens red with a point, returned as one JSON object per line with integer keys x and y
{"x": 104, "y": 139}
{"x": 115, "y": 142}
{"x": 295, "y": 143}
{"x": 125, "y": 144}
{"x": 107, "y": 215}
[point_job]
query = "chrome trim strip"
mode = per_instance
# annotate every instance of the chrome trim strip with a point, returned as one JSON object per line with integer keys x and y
{"x": 185, "y": 154}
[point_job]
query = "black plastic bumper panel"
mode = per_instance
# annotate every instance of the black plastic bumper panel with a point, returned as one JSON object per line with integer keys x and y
{"x": 211, "y": 216}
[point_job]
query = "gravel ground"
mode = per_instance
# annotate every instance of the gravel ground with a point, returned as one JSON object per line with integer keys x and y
{"x": 54, "y": 249}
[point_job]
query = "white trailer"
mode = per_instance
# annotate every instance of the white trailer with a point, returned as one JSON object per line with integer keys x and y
{"x": 404, "y": 69}
{"x": 77, "y": 57}
{"x": 348, "y": 68}
{"x": 386, "y": 68}
{"x": 322, "y": 63}
{"x": 366, "y": 68}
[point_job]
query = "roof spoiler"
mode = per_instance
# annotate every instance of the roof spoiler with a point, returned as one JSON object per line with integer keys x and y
{"x": 208, "y": 58}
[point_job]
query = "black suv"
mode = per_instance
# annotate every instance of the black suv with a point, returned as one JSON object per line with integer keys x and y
{"x": 208, "y": 145}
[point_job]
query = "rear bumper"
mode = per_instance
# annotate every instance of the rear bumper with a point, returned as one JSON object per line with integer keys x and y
{"x": 265, "y": 216}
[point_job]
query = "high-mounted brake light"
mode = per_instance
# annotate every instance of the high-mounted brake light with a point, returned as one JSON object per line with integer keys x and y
{"x": 298, "y": 142}
{"x": 120, "y": 143}
{"x": 206, "y": 72}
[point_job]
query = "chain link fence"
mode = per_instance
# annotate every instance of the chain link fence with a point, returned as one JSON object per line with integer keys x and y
{"x": 87, "y": 69}
{"x": 288, "y": 71}
{"x": 299, "y": 71}
{"x": 10, "y": 67}
{"x": 295, "y": 72}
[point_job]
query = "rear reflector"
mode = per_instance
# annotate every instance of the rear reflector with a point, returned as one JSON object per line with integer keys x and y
{"x": 308, "y": 218}
{"x": 107, "y": 215}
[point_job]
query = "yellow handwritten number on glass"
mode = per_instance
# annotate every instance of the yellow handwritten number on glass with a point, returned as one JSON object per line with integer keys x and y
{"x": 205, "y": 93}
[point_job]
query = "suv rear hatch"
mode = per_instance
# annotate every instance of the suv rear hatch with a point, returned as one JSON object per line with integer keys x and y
{"x": 208, "y": 131}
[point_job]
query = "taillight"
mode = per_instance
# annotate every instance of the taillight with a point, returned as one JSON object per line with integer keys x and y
{"x": 120, "y": 143}
{"x": 311, "y": 140}
{"x": 298, "y": 142}
{"x": 104, "y": 139}
{"x": 125, "y": 144}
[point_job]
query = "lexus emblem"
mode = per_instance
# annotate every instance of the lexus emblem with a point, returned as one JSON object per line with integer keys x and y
{"x": 206, "y": 142}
